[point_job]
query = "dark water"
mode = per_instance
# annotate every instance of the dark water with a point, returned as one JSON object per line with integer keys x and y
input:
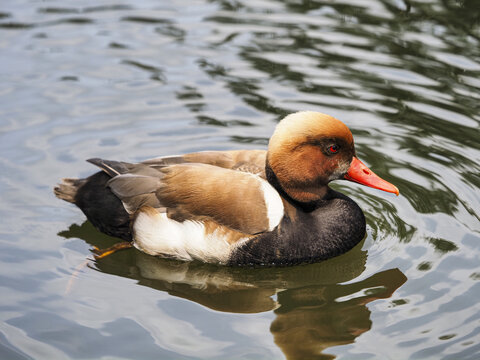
{"x": 132, "y": 80}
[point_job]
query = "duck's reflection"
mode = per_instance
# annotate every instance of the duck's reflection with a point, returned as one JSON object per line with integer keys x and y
{"x": 314, "y": 310}
{"x": 313, "y": 318}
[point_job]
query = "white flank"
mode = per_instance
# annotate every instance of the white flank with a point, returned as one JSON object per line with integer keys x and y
{"x": 158, "y": 235}
{"x": 274, "y": 204}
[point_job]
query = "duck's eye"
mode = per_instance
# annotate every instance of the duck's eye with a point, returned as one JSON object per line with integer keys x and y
{"x": 333, "y": 149}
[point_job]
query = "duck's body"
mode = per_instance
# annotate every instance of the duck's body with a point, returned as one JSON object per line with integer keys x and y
{"x": 236, "y": 207}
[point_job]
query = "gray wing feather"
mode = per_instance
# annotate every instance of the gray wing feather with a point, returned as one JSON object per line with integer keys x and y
{"x": 136, "y": 191}
{"x": 128, "y": 185}
{"x": 134, "y": 184}
{"x": 134, "y": 203}
{"x": 111, "y": 167}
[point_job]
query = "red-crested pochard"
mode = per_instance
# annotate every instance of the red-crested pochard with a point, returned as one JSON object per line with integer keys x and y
{"x": 237, "y": 207}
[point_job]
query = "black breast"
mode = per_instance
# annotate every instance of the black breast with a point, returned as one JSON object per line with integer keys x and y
{"x": 328, "y": 228}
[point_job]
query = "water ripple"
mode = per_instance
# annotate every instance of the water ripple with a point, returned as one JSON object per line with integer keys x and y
{"x": 133, "y": 80}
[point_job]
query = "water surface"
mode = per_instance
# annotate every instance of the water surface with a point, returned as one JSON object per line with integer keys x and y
{"x": 131, "y": 80}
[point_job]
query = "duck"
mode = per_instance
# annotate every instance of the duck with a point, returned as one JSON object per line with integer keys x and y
{"x": 270, "y": 207}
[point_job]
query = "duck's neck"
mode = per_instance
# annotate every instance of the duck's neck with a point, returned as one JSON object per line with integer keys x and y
{"x": 305, "y": 198}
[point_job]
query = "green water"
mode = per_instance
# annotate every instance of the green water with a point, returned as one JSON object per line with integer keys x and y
{"x": 131, "y": 80}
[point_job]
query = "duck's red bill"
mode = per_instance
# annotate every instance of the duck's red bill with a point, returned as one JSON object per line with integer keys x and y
{"x": 360, "y": 173}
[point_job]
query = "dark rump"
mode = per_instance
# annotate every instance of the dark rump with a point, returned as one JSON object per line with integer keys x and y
{"x": 102, "y": 208}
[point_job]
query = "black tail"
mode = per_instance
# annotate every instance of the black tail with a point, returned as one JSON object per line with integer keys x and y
{"x": 101, "y": 207}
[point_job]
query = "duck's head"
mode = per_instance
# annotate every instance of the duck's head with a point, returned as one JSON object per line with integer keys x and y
{"x": 309, "y": 149}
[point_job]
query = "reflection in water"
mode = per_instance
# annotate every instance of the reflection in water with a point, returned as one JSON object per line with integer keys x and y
{"x": 313, "y": 318}
{"x": 314, "y": 308}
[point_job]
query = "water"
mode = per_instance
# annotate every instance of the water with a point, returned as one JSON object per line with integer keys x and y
{"x": 132, "y": 80}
